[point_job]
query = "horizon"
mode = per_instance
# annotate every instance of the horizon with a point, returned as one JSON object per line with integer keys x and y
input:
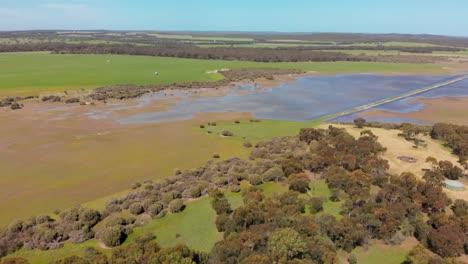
{"x": 298, "y": 16}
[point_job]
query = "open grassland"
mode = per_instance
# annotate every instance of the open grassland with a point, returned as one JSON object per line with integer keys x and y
{"x": 378, "y": 252}
{"x": 34, "y": 73}
{"x": 256, "y": 131}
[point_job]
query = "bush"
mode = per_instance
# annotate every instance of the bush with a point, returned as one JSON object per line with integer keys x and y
{"x": 72, "y": 100}
{"x": 247, "y": 144}
{"x": 255, "y": 179}
{"x": 359, "y": 122}
{"x": 136, "y": 208}
{"x": 136, "y": 185}
{"x": 176, "y": 206}
{"x": 155, "y": 209}
{"x": 237, "y": 122}
{"x": 315, "y": 205}
{"x": 227, "y": 133}
{"x": 202, "y": 126}
{"x": 216, "y": 156}
{"x": 15, "y": 106}
{"x": 273, "y": 174}
{"x": 112, "y": 236}
{"x": 235, "y": 188}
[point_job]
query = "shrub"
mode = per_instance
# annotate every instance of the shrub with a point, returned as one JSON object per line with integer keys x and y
{"x": 273, "y": 174}
{"x": 359, "y": 122}
{"x": 247, "y": 144}
{"x": 195, "y": 191}
{"x": 155, "y": 209}
{"x": 235, "y": 188}
{"x": 237, "y": 122}
{"x": 335, "y": 195}
{"x": 315, "y": 205}
{"x": 15, "y": 106}
{"x": 112, "y": 236}
{"x": 136, "y": 185}
{"x": 202, "y": 126}
{"x": 136, "y": 208}
{"x": 176, "y": 206}
{"x": 216, "y": 156}
{"x": 72, "y": 100}
{"x": 255, "y": 179}
{"x": 227, "y": 133}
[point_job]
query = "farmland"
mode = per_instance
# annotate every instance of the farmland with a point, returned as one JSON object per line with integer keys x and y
{"x": 50, "y": 73}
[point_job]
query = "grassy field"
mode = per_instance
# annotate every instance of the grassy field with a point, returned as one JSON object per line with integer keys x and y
{"x": 256, "y": 131}
{"x": 33, "y": 73}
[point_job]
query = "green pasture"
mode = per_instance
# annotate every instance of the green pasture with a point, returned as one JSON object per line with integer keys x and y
{"x": 41, "y": 72}
{"x": 256, "y": 131}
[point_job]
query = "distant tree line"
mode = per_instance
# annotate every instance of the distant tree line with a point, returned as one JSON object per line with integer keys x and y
{"x": 194, "y": 52}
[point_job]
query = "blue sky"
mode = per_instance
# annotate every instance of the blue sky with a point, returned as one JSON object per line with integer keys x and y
{"x": 448, "y": 17}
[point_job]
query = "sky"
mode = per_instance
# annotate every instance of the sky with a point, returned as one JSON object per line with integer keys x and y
{"x": 448, "y": 17}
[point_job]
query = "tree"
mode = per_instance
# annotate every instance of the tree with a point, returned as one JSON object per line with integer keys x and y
{"x": 299, "y": 182}
{"x": 359, "y": 122}
{"x": 112, "y": 236}
{"x": 446, "y": 240}
{"x": 286, "y": 244}
{"x": 176, "y": 206}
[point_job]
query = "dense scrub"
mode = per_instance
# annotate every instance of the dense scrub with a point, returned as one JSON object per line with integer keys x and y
{"x": 272, "y": 229}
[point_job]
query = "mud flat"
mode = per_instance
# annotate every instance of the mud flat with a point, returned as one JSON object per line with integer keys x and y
{"x": 447, "y": 109}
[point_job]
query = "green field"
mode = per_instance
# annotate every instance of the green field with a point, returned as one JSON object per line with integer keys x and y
{"x": 39, "y": 72}
{"x": 256, "y": 131}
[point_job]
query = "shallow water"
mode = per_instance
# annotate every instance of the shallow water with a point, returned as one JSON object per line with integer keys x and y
{"x": 408, "y": 105}
{"x": 306, "y": 99}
